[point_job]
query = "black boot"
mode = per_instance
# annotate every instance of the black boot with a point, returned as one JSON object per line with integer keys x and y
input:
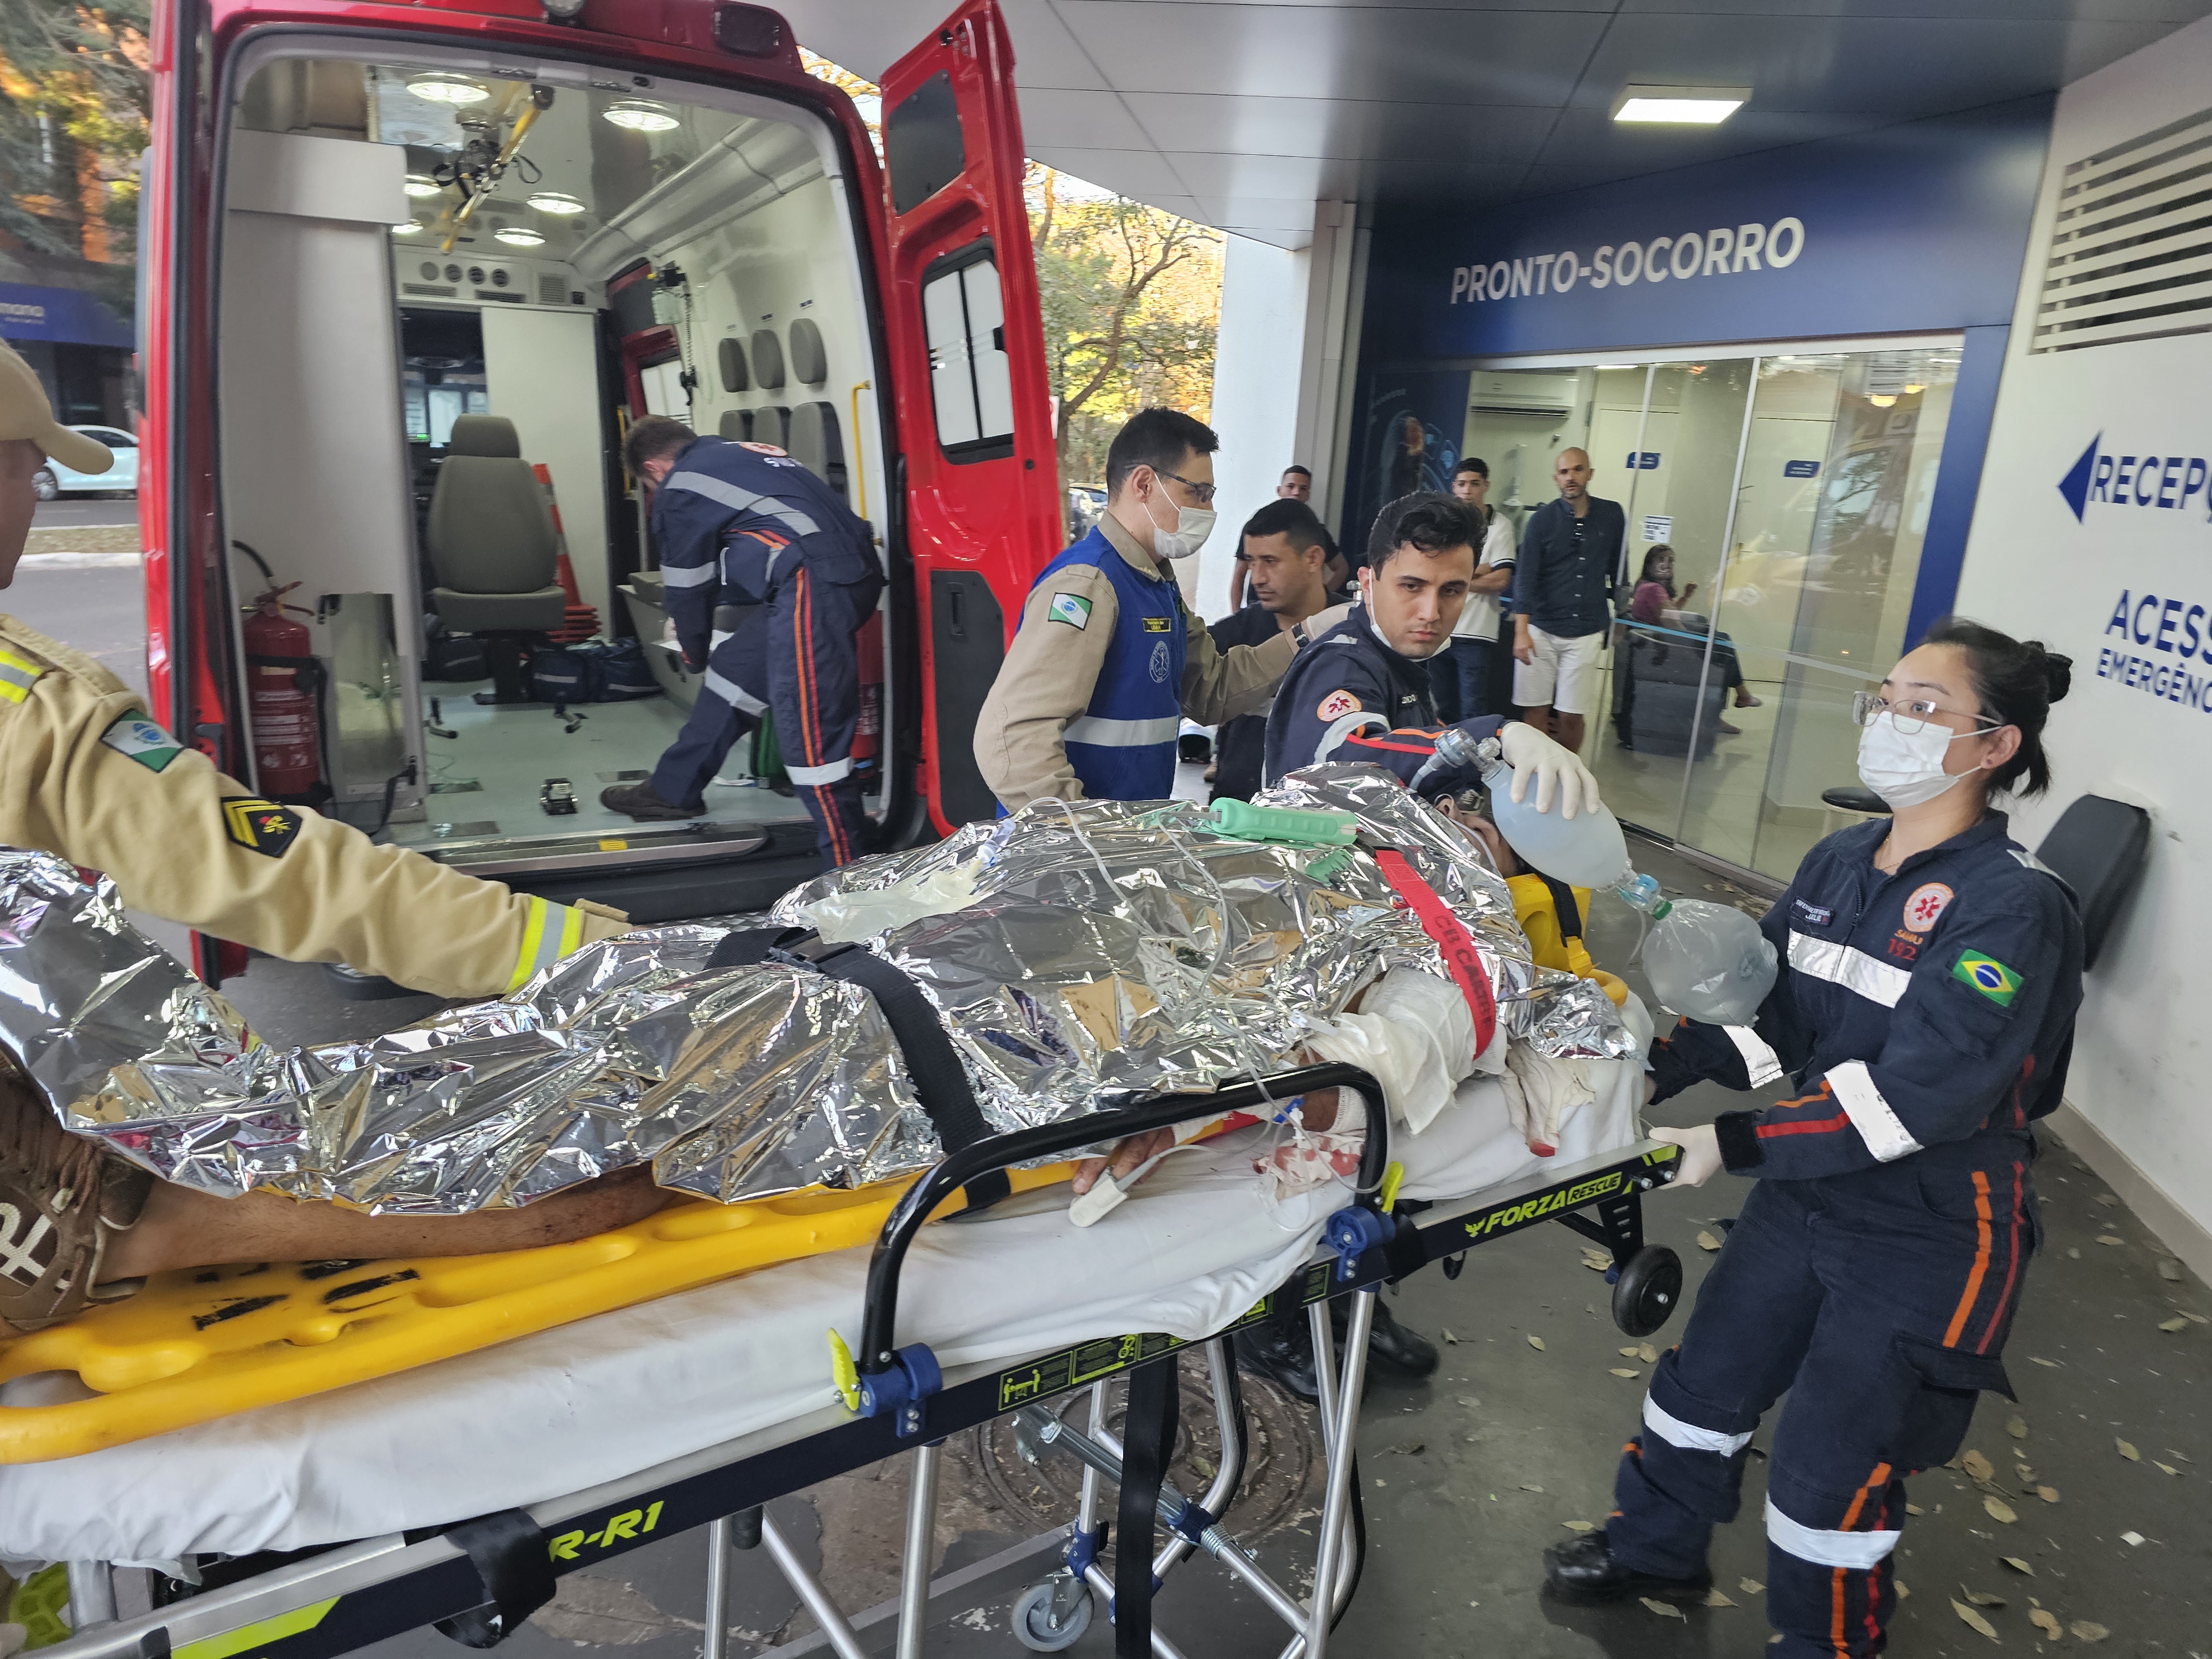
{"x": 1282, "y": 1352}
{"x": 1390, "y": 1344}
{"x": 638, "y": 801}
{"x": 1582, "y": 1571}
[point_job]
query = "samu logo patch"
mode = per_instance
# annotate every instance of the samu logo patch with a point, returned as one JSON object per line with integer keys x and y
{"x": 260, "y": 826}
{"x": 1336, "y": 705}
{"x": 1070, "y": 608}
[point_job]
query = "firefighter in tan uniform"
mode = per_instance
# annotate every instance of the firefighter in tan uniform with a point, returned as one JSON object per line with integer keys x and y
{"x": 85, "y": 775}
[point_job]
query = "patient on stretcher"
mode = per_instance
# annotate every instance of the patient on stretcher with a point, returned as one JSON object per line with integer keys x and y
{"x": 1071, "y": 958}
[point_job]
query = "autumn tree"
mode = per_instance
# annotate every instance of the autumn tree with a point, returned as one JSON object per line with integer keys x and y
{"x": 74, "y": 106}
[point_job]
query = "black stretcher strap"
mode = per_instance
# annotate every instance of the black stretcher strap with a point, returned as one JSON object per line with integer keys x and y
{"x": 1148, "y": 1437}
{"x": 509, "y": 1552}
{"x": 1563, "y": 900}
{"x": 940, "y": 1081}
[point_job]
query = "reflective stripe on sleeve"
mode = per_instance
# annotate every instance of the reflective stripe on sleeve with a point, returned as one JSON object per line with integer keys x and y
{"x": 1856, "y": 1551}
{"x": 1122, "y": 734}
{"x": 551, "y": 932}
{"x": 1758, "y": 1060}
{"x": 736, "y": 696}
{"x": 1855, "y": 970}
{"x": 714, "y": 489}
{"x": 1343, "y": 727}
{"x": 1884, "y": 1133}
{"x": 815, "y": 776}
{"x": 17, "y": 676}
{"x": 1688, "y": 1435}
{"x": 689, "y": 576}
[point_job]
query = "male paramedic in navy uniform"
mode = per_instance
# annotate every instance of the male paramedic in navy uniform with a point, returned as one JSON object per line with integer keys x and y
{"x": 743, "y": 524}
{"x": 1107, "y": 660}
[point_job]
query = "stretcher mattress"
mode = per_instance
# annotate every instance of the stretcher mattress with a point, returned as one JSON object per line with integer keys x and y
{"x": 566, "y": 1409}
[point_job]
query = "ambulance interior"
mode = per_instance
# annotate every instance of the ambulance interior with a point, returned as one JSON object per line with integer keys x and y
{"x": 413, "y": 243}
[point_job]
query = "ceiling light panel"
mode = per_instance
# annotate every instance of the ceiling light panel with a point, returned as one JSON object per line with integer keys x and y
{"x": 442, "y": 89}
{"x": 639, "y": 115}
{"x": 1696, "y": 107}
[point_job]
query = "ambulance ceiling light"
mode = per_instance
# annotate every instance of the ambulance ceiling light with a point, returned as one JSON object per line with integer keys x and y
{"x": 422, "y": 184}
{"x": 519, "y": 236}
{"x": 407, "y": 228}
{"x": 1696, "y": 107}
{"x": 639, "y": 115}
{"x": 442, "y": 89}
{"x": 557, "y": 202}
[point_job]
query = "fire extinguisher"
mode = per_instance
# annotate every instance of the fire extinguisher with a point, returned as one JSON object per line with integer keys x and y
{"x": 868, "y": 726}
{"x": 288, "y": 747}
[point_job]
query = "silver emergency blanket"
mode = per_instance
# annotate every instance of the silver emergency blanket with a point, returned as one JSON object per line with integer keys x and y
{"x": 1098, "y": 951}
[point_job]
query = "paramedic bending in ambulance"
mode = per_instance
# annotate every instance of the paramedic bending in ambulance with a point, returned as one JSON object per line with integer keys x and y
{"x": 86, "y": 775}
{"x": 1925, "y": 1016}
{"x": 744, "y": 524}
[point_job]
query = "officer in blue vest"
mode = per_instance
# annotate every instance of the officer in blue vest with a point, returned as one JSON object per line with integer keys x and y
{"x": 1107, "y": 660}
{"x": 743, "y": 524}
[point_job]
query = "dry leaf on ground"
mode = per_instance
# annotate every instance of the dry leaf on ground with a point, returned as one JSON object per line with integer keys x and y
{"x": 2047, "y": 1622}
{"x": 2168, "y": 1467}
{"x": 1647, "y": 1354}
{"x": 2048, "y": 1494}
{"x": 2170, "y": 1270}
{"x": 1903, "y": 1590}
{"x": 2089, "y": 1630}
{"x": 1579, "y": 1526}
{"x": 1749, "y": 1586}
{"x": 1706, "y": 1241}
{"x": 1715, "y": 1598}
{"x": 1914, "y": 1509}
{"x": 2131, "y": 1538}
{"x": 1537, "y": 1343}
{"x": 1664, "y": 1609}
{"x": 2127, "y": 1452}
{"x": 2108, "y": 1238}
{"x": 2017, "y": 1564}
{"x": 2176, "y": 1323}
{"x": 1629, "y": 1353}
{"x": 1449, "y": 1337}
{"x": 1974, "y": 1620}
{"x": 1618, "y": 1371}
{"x": 2039, "y": 1359}
{"x": 2017, "y": 1428}
{"x": 1977, "y": 1468}
{"x": 1468, "y": 1400}
{"x": 1981, "y": 1598}
{"x": 1999, "y": 1509}
{"x": 1525, "y": 1486}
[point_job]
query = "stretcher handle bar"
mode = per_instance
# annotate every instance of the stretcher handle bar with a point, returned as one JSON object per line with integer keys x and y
{"x": 879, "y": 1319}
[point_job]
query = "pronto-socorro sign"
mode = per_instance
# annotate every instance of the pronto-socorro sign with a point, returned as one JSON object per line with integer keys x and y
{"x": 1724, "y": 251}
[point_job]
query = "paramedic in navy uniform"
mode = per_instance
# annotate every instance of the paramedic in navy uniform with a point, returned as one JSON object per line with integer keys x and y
{"x": 1107, "y": 660}
{"x": 1925, "y": 1014}
{"x": 741, "y": 524}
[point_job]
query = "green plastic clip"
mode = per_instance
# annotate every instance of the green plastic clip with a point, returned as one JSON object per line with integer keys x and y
{"x": 1392, "y": 1178}
{"x": 843, "y": 1373}
{"x": 1329, "y": 865}
{"x": 1278, "y": 823}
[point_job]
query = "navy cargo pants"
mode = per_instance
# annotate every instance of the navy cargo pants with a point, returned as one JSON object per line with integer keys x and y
{"x": 1879, "y": 1303}
{"x": 796, "y": 655}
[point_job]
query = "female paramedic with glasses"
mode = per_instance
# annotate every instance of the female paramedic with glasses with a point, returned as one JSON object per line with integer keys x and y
{"x": 1926, "y": 1014}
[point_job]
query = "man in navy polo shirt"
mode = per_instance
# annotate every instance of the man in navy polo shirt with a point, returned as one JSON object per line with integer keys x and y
{"x": 1562, "y": 602}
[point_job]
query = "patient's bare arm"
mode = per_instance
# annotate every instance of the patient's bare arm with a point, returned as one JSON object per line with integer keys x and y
{"x": 184, "y": 1228}
{"x": 1318, "y": 1113}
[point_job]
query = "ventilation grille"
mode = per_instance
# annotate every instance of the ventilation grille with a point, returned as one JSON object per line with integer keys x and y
{"x": 552, "y": 288}
{"x": 430, "y": 290}
{"x": 2130, "y": 254}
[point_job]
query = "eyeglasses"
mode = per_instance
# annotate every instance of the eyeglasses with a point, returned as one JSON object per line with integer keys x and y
{"x": 1203, "y": 491}
{"x": 1910, "y": 715}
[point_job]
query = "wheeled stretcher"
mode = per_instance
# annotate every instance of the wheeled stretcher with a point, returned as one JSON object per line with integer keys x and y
{"x": 256, "y": 1506}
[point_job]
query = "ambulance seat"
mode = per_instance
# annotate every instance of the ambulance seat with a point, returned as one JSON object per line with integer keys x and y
{"x": 736, "y": 425}
{"x": 815, "y": 444}
{"x": 493, "y": 548}
{"x": 2098, "y": 847}
{"x": 770, "y": 426}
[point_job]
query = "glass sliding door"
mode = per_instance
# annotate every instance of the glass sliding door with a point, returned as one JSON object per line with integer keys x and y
{"x": 1776, "y": 502}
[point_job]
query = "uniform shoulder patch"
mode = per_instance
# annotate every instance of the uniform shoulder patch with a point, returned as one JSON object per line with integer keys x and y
{"x": 1926, "y": 906}
{"x": 1985, "y": 974}
{"x": 1070, "y": 608}
{"x": 18, "y": 674}
{"x": 762, "y": 449}
{"x": 260, "y": 826}
{"x": 140, "y": 739}
{"x": 1336, "y": 705}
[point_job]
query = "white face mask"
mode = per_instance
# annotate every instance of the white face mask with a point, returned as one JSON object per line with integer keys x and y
{"x": 1192, "y": 527}
{"x": 1906, "y": 769}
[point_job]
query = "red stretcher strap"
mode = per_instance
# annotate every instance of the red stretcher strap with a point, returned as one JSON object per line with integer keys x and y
{"x": 1439, "y": 922}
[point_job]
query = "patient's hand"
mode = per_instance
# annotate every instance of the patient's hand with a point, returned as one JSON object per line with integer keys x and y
{"x": 1125, "y": 1157}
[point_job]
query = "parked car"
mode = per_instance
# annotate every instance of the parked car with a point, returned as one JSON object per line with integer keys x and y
{"x": 54, "y": 479}
{"x": 1085, "y": 504}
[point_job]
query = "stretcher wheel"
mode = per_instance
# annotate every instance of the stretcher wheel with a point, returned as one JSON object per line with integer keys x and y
{"x": 1650, "y": 1286}
{"x": 1033, "y": 1627}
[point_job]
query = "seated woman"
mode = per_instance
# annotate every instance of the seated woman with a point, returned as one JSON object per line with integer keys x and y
{"x": 1654, "y": 604}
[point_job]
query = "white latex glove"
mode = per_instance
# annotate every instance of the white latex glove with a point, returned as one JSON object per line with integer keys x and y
{"x": 1322, "y": 621}
{"x": 1701, "y": 1154}
{"x": 1554, "y": 767}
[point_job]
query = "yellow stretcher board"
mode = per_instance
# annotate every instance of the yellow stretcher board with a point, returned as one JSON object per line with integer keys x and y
{"x": 206, "y": 1342}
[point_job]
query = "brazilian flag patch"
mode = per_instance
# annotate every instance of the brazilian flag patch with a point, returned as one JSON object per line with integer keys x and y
{"x": 1988, "y": 976}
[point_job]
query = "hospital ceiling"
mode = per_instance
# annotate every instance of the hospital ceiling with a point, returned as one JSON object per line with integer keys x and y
{"x": 1244, "y": 115}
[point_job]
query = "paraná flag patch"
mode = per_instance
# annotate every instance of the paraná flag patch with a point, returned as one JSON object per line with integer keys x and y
{"x": 1070, "y": 608}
